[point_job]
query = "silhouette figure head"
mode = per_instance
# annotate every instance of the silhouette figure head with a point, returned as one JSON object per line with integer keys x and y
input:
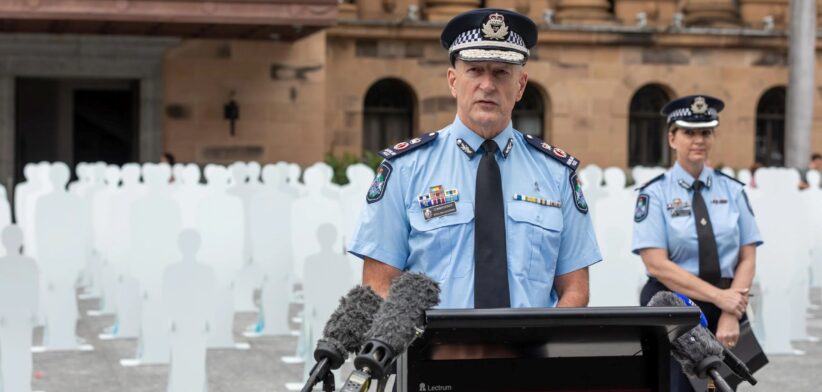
{"x": 13, "y": 239}
{"x": 326, "y": 235}
{"x": 189, "y": 243}
{"x": 59, "y": 174}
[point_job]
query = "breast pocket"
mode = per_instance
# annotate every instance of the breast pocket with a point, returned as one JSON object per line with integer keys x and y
{"x": 442, "y": 247}
{"x": 534, "y": 239}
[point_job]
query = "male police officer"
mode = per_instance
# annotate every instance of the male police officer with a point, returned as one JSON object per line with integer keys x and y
{"x": 497, "y": 217}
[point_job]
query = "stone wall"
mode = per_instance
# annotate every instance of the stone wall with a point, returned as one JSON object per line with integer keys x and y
{"x": 280, "y": 90}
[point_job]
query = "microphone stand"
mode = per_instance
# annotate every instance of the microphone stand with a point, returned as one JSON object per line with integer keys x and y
{"x": 708, "y": 368}
{"x": 323, "y": 367}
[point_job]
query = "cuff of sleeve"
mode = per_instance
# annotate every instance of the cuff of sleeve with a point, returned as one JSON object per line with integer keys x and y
{"x": 754, "y": 242}
{"x": 589, "y": 260}
{"x": 362, "y": 251}
{"x": 644, "y": 245}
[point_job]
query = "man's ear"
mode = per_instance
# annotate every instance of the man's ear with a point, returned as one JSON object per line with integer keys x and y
{"x": 452, "y": 80}
{"x": 522, "y": 82}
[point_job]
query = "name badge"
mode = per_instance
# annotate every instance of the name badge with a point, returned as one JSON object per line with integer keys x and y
{"x": 679, "y": 208}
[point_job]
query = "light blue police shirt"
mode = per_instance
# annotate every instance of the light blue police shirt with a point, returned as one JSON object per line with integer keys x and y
{"x": 668, "y": 220}
{"x": 543, "y": 241}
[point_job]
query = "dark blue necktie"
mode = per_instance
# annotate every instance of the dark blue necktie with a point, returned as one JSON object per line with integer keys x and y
{"x": 708, "y": 252}
{"x": 490, "y": 261}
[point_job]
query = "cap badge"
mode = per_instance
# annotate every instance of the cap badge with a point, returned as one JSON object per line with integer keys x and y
{"x": 699, "y": 106}
{"x": 495, "y": 27}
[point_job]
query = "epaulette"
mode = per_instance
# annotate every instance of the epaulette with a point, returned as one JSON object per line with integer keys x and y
{"x": 408, "y": 145}
{"x": 653, "y": 180}
{"x": 721, "y": 173}
{"x": 554, "y": 152}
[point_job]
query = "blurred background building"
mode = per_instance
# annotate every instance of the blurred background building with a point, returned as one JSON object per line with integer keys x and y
{"x": 126, "y": 80}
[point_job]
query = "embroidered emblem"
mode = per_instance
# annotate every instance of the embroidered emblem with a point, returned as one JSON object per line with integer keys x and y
{"x": 508, "y": 148}
{"x": 495, "y": 27}
{"x": 537, "y": 200}
{"x": 466, "y": 148}
{"x": 401, "y": 146}
{"x": 377, "y": 189}
{"x": 414, "y": 140}
{"x": 579, "y": 198}
{"x": 560, "y": 153}
{"x": 643, "y": 202}
{"x": 545, "y": 146}
{"x": 438, "y": 202}
{"x": 699, "y": 106}
{"x": 684, "y": 184}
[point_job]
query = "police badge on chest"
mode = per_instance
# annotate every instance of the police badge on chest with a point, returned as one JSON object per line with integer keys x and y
{"x": 679, "y": 208}
{"x": 439, "y": 202}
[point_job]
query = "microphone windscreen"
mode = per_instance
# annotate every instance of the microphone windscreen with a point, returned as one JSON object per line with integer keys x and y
{"x": 666, "y": 299}
{"x": 693, "y": 346}
{"x": 408, "y": 298}
{"x": 347, "y": 326}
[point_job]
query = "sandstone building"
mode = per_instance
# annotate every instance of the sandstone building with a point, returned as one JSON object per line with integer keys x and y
{"x": 123, "y": 80}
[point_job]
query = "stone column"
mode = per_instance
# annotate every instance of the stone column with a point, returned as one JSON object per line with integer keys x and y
{"x": 7, "y": 133}
{"x": 584, "y": 11}
{"x": 716, "y": 13}
{"x": 801, "y": 87}
{"x": 444, "y": 10}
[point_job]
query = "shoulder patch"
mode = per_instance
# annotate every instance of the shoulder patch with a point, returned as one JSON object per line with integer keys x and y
{"x": 554, "y": 152}
{"x": 579, "y": 199}
{"x": 641, "y": 209}
{"x": 653, "y": 180}
{"x": 721, "y": 173}
{"x": 408, "y": 145}
{"x": 377, "y": 188}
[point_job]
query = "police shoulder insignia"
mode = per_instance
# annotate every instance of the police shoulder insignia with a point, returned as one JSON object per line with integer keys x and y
{"x": 641, "y": 210}
{"x": 579, "y": 198}
{"x": 653, "y": 180}
{"x": 377, "y": 188}
{"x": 553, "y": 152}
{"x": 408, "y": 145}
{"x": 721, "y": 173}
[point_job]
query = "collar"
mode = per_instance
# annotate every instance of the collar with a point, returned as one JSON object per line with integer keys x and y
{"x": 469, "y": 142}
{"x": 686, "y": 181}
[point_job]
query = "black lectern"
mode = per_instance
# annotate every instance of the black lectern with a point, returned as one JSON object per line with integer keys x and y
{"x": 617, "y": 349}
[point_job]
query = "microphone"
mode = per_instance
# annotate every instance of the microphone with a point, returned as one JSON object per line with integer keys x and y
{"x": 398, "y": 322}
{"x": 736, "y": 365}
{"x": 343, "y": 333}
{"x": 699, "y": 353}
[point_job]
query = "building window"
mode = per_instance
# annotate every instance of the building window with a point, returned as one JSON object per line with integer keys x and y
{"x": 770, "y": 128}
{"x": 388, "y": 115}
{"x": 647, "y": 129}
{"x": 529, "y": 113}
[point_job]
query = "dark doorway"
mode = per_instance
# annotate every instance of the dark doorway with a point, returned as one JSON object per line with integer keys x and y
{"x": 73, "y": 120}
{"x": 388, "y": 115}
{"x": 647, "y": 129}
{"x": 769, "y": 147}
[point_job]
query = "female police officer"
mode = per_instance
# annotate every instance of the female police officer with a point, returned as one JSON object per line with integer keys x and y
{"x": 694, "y": 227}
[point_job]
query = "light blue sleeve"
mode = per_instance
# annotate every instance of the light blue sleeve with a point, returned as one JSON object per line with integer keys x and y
{"x": 578, "y": 246}
{"x": 748, "y": 230}
{"x": 650, "y": 231}
{"x": 382, "y": 230}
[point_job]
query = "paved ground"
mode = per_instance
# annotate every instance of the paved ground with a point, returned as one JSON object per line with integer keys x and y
{"x": 260, "y": 369}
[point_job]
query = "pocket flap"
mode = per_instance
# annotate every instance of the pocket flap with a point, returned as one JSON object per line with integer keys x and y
{"x": 547, "y": 217}
{"x": 464, "y": 214}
